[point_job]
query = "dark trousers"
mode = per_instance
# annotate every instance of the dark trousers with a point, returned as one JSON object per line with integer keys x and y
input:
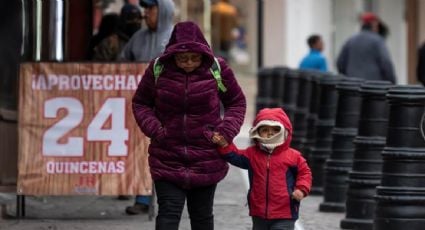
{"x": 171, "y": 199}
{"x": 279, "y": 224}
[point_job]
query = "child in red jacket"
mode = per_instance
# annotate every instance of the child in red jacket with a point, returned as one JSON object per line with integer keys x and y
{"x": 279, "y": 176}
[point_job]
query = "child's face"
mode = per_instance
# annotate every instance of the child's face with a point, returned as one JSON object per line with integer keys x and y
{"x": 188, "y": 61}
{"x": 266, "y": 131}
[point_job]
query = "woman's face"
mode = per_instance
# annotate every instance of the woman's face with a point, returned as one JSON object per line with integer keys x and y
{"x": 188, "y": 61}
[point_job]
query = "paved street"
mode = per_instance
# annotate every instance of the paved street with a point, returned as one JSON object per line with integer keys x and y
{"x": 107, "y": 213}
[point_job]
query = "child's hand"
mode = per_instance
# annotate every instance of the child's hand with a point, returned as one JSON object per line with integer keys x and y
{"x": 219, "y": 140}
{"x": 298, "y": 195}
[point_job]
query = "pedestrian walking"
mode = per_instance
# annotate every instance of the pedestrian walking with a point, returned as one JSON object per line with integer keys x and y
{"x": 177, "y": 105}
{"x": 314, "y": 59}
{"x": 108, "y": 25}
{"x": 365, "y": 54}
{"x": 130, "y": 21}
{"x": 149, "y": 42}
{"x": 279, "y": 176}
{"x": 146, "y": 44}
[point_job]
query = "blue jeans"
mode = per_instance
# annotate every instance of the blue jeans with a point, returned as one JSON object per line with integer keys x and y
{"x": 278, "y": 224}
{"x": 143, "y": 199}
{"x": 171, "y": 199}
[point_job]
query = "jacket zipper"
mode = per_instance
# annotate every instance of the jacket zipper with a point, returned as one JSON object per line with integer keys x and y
{"x": 267, "y": 185}
{"x": 184, "y": 110}
{"x": 184, "y": 131}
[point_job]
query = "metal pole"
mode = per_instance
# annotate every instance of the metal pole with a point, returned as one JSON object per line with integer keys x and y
{"x": 207, "y": 20}
{"x": 38, "y": 30}
{"x": 20, "y": 206}
{"x": 56, "y": 30}
{"x": 24, "y": 26}
{"x": 260, "y": 33}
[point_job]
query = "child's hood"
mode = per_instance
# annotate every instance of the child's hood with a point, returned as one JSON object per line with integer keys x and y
{"x": 188, "y": 37}
{"x": 278, "y": 115}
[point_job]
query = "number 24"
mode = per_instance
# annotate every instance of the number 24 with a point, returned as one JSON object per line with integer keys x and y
{"x": 117, "y": 135}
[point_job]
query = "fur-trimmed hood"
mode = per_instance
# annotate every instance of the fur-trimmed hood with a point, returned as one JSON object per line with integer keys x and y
{"x": 273, "y": 117}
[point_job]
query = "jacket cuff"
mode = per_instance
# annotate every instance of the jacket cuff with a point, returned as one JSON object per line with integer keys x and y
{"x": 303, "y": 189}
{"x": 225, "y": 150}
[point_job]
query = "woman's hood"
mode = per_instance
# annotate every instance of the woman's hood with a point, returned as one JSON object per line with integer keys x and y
{"x": 188, "y": 37}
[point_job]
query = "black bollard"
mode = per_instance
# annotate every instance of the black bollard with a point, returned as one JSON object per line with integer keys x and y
{"x": 278, "y": 81}
{"x": 301, "y": 110}
{"x": 264, "y": 88}
{"x": 313, "y": 107}
{"x": 367, "y": 162}
{"x": 324, "y": 125}
{"x": 400, "y": 199}
{"x": 341, "y": 159}
{"x": 290, "y": 93}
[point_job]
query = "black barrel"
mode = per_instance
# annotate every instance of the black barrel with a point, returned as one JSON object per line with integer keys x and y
{"x": 278, "y": 81}
{"x": 264, "y": 88}
{"x": 313, "y": 107}
{"x": 290, "y": 93}
{"x": 341, "y": 159}
{"x": 324, "y": 125}
{"x": 367, "y": 163}
{"x": 301, "y": 111}
{"x": 400, "y": 199}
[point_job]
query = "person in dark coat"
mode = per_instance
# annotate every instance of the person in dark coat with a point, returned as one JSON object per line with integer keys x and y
{"x": 420, "y": 69}
{"x": 130, "y": 21}
{"x": 180, "y": 111}
{"x": 108, "y": 26}
{"x": 365, "y": 54}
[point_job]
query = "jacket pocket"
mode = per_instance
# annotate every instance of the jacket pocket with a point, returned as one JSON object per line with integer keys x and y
{"x": 209, "y": 132}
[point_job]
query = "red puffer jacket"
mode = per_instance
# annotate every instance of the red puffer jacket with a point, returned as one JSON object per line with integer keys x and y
{"x": 273, "y": 177}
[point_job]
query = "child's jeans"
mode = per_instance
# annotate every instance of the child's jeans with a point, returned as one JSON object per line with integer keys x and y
{"x": 171, "y": 199}
{"x": 278, "y": 224}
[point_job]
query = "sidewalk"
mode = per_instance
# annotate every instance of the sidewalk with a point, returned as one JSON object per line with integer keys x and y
{"x": 107, "y": 213}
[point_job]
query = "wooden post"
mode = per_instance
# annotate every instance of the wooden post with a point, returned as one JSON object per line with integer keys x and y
{"x": 412, "y": 39}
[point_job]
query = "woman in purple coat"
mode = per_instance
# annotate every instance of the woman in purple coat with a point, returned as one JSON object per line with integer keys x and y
{"x": 179, "y": 109}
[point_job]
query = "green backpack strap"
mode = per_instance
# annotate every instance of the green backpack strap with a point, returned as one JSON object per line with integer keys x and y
{"x": 157, "y": 69}
{"x": 216, "y": 72}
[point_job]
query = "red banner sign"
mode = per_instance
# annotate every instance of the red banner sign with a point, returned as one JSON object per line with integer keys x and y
{"x": 77, "y": 133}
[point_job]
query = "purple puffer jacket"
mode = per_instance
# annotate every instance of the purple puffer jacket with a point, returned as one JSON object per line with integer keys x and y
{"x": 181, "y": 111}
